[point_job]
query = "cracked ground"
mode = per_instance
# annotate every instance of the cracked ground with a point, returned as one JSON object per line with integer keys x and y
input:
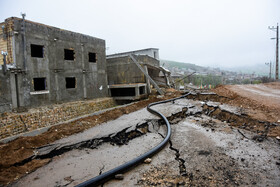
{"x": 205, "y": 149}
{"x": 217, "y": 140}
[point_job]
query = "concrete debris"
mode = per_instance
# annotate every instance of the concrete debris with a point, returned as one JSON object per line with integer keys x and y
{"x": 148, "y": 161}
{"x": 119, "y": 176}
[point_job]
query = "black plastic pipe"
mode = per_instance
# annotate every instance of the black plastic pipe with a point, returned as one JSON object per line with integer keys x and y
{"x": 100, "y": 179}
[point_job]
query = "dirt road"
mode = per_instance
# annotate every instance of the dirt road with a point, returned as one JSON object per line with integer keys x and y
{"x": 262, "y": 101}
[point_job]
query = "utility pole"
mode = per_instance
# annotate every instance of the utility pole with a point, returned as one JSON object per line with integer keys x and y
{"x": 270, "y": 70}
{"x": 269, "y": 64}
{"x": 277, "y": 46}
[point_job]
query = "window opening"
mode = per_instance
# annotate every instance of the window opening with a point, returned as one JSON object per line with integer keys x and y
{"x": 69, "y": 54}
{"x": 92, "y": 57}
{"x": 37, "y": 51}
{"x": 122, "y": 92}
{"x": 70, "y": 82}
{"x": 142, "y": 90}
{"x": 39, "y": 83}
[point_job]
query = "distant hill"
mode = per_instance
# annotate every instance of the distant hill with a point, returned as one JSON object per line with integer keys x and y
{"x": 172, "y": 64}
{"x": 258, "y": 69}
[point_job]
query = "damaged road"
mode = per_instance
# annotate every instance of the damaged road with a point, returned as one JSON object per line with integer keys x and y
{"x": 210, "y": 145}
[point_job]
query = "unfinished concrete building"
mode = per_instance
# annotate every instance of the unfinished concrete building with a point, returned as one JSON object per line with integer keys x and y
{"x": 42, "y": 65}
{"x": 127, "y": 73}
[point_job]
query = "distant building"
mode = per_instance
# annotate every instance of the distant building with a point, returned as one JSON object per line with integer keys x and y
{"x": 126, "y": 81}
{"x": 151, "y": 52}
{"x": 46, "y": 65}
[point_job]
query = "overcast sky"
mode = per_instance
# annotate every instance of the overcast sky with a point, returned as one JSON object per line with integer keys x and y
{"x": 216, "y": 33}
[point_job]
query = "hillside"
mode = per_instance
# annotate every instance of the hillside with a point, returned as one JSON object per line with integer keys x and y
{"x": 258, "y": 69}
{"x": 172, "y": 64}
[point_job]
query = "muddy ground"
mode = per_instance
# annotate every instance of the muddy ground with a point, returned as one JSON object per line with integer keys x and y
{"x": 15, "y": 155}
{"x": 211, "y": 160}
{"x": 261, "y": 101}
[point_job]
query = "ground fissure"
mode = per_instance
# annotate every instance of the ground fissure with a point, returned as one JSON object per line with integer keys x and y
{"x": 43, "y": 154}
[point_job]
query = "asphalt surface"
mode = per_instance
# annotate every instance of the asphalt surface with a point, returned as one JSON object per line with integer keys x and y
{"x": 202, "y": 151}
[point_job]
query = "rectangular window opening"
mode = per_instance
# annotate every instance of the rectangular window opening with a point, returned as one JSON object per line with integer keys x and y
{"x": 39, "y": 83}
{"x": 122, "y": 92}
{"x": 70, "y": 82}
{"x": 142, "y": 90}
{"x": 92, "y": 57}
{"x": 37, "y": 51}
{"x": 69, "y": 54}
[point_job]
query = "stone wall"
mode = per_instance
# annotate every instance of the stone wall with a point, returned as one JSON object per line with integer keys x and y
{"x": 6, "y": 41}
{"x": 16, "y": 123}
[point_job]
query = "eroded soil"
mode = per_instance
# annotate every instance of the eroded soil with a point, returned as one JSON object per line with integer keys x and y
{"x": 261, "y": 101}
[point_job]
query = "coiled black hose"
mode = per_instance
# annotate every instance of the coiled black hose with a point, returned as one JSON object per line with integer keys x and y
{"x": 100, "y": 179}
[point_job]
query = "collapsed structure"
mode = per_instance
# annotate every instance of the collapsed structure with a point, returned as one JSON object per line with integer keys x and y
{"x": 43, "y": 65}
{"x": 131, "y": 74}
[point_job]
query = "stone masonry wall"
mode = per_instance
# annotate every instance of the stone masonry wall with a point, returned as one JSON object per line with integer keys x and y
{"x": 6, "y": 41}
{"x": 16, "y": 123}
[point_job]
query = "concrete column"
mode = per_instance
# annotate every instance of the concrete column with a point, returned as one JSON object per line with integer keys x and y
{"x": 148, "y": 81}
{"x": 145, "y": 89}
{"x": 13, "y": 90}
{"x": 56, "y": 87}
{"x": 137, "y": 93}
{"x": 84, "y": 73}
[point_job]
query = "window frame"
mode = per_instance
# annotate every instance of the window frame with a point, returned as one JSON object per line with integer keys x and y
{"x": 66, "y": 55}
{"x": 33, "y": 50}
{"x": 36, "y": 82}
{"x": 75, "y": 85}
{"x": 95, "y": 57}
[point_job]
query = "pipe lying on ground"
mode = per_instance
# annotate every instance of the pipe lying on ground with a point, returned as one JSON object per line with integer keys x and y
{"x": 100, "y": 179}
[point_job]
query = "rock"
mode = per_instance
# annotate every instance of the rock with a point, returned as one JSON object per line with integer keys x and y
{"x": 119, "y": 176}
{"x": 181, "y": 183}
{"x": 258, "y": 138}
{"x": 278, "y": 137}
{"x": 148, "y": 160}
{"x": 68, "y": 179}
{"x": 143, "y": 179}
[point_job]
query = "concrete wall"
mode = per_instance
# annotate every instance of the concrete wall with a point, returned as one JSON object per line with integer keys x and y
{"x": 122, "y": 70}
{"x": 5, "y": 94}
{"x": 91, "y": 78}
{"x": 5, "y": 77}
{"x": 152, "y": 52}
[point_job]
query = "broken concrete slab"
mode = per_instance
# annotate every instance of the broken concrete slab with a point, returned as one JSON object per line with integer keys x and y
{"x": 197, "y": 153}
